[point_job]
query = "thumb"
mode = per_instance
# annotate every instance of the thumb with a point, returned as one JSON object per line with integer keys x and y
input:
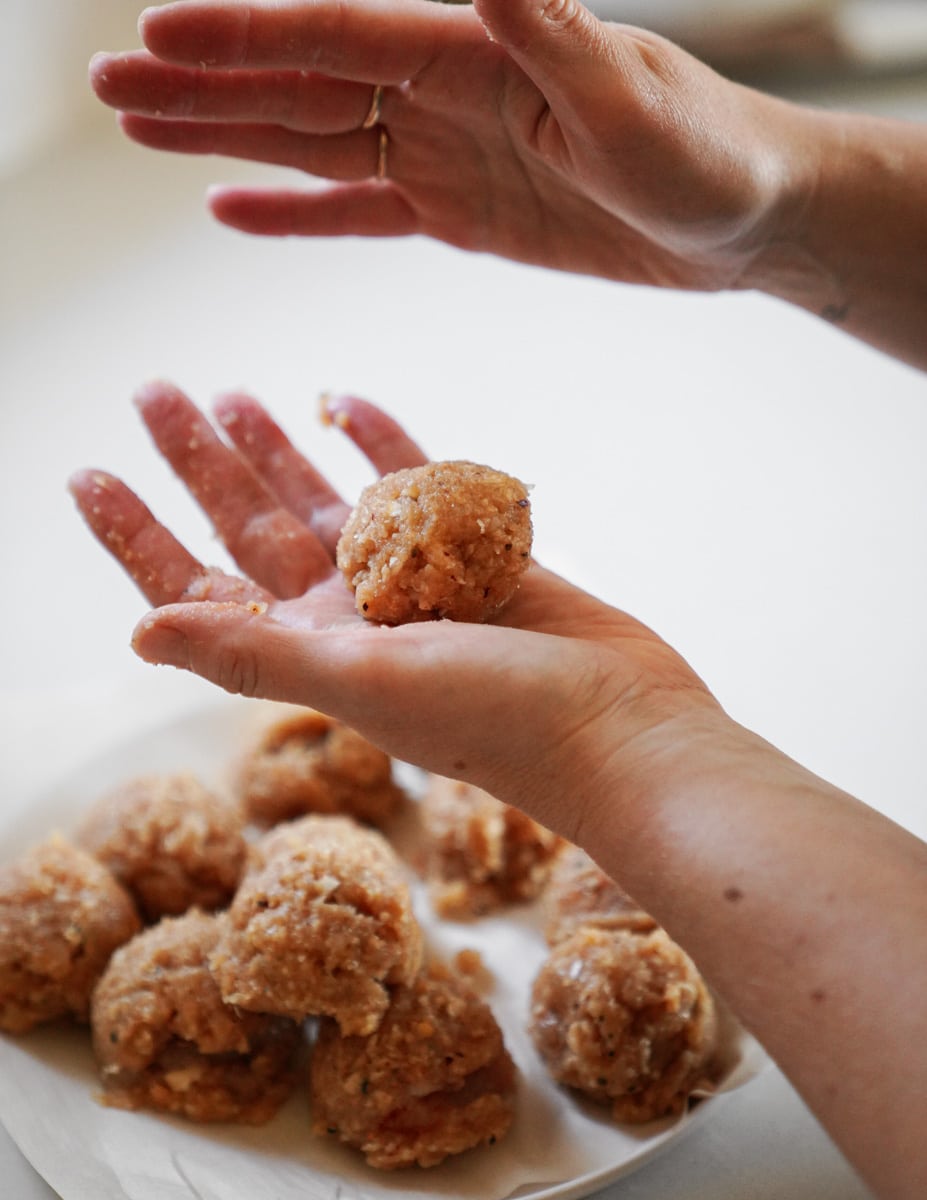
{"x": 557, "y": 43}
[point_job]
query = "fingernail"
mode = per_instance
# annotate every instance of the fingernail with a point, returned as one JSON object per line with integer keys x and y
{"x": 331, "y": 411}
{"x": 164, "y": 645}
{"x": 150, "y": 392}
{"x": 227, "y": 407}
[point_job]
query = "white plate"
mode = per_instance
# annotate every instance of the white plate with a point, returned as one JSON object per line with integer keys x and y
{"x": 558, "y": 1148}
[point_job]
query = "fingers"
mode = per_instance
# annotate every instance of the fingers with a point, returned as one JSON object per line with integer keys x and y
{"x": 365, "y": 40}
{"x": 162, "y": 569}
{"x": 249, "y": 652}
{"x": 341, "y": 156}
{"x": 279, "y": 517}
{"x": 560, "y": 45}
{"x": 291, "y": 477}
{"x": 286, "y": 472}
{"x": 382, "y": 440}
{"x": 299, "y": 100}
{"x": 270, "y": 544}
{"x": 562, "y": 32}
{"x": 356, "y": 210}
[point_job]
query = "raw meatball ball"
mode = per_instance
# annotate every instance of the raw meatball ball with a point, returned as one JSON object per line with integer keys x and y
{"x": 170, "y": 841}
{"x": 481, "y": 854}
{"x": 444, "y": 540}
{"x": 165, "y": 1040}
{"x": 435, "y": 1078}
{"x": 579, "y": 893}
{"x": 626, "y": 1019}
{"x": 310, "y": 763}
{"x": 62, "y": 915}
{"x": 321, "y": 924}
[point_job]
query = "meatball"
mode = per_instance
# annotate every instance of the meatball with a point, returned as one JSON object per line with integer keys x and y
{"x": 311, "y": 763}
{"x": 170, "y": 841}
{"x": 480, "y": 854}
{"x": 626, "y": 1019}
{"x": 165, "y": 1039}
{"x": 448, "y": 539}
{"x": 62, "y": 914}
{"x": 434, "y": 1079}
{"x": 321, "y": 924}
{"x": 579, "y": 893}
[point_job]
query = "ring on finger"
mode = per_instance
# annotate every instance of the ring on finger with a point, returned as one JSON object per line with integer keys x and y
{"x": 373, "y": 112}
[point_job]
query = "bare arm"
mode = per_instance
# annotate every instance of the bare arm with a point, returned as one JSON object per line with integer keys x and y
{"x": 805, "y": 908}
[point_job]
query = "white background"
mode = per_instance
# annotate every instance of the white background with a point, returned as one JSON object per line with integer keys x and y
{"x": 747, "y": 480}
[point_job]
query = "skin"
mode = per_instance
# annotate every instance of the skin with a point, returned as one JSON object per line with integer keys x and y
{"x": 805, "y": 908}
{"x": 574, "y": 144}
{"x": 597, "y": 149}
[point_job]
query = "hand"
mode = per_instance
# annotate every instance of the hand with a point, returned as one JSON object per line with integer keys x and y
{"x": 524, "y": 129}
{"x": 532, "y": 707}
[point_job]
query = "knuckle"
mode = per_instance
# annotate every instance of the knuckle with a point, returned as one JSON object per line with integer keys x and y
{"x": 237, "y": 673}
{"x": 562, "y": 14}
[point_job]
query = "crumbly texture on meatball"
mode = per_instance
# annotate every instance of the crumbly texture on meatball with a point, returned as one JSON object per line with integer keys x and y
{"x": 626, "y": 1019}
{"x": 170, "y": 841}
{"x": 311, "y": 763}
{"x": 579, "y": 893}
{"x": 321, "y": 924}
{"x": 435, "y": 1079}
{"x": 165, "y": 1039}
{"x": 450, "y": 539}
{"x": 62, "y": 914}
{"x": 480, "y": 854}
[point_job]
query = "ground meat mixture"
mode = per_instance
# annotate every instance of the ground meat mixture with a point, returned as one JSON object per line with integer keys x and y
{"x": 626, "y": 1019}
{"x": 449, "y": 539}
{"x": 311, "y": 763}
{"x": 62, "y": 915}
{"x": 579, "y": 893}
{"x": 435, "y": 1079}
{"x": 170, "y": 841}
{"x": 480, "y": 854}
{"x": 165, "y": 1040}
{"x": 321, "y": 924}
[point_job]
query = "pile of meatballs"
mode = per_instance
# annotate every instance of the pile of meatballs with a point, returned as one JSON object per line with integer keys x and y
{"x": 228, "y": 949}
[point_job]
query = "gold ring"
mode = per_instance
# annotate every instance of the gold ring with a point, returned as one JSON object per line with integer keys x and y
{"x": 373, "y": 113}
{"x": 381, "y": 153}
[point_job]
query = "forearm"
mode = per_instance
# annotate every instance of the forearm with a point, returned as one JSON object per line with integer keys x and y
{"x": 851, "y": 241}
{"x": 805, "y": 909}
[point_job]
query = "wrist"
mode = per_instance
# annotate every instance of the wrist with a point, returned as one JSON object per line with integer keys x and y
{"x": 790, "y": 260}
{"x": 846, "y": 239}
{"x": 667, "y": 803}
{"x": 625, "y": 765}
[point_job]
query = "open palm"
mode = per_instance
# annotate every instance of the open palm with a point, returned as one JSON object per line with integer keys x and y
{"x": 500, "y": 703}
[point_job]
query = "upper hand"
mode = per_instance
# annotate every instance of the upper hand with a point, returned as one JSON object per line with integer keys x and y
{"x": 558, "y": 140}
{"x": 536, "y": 707}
